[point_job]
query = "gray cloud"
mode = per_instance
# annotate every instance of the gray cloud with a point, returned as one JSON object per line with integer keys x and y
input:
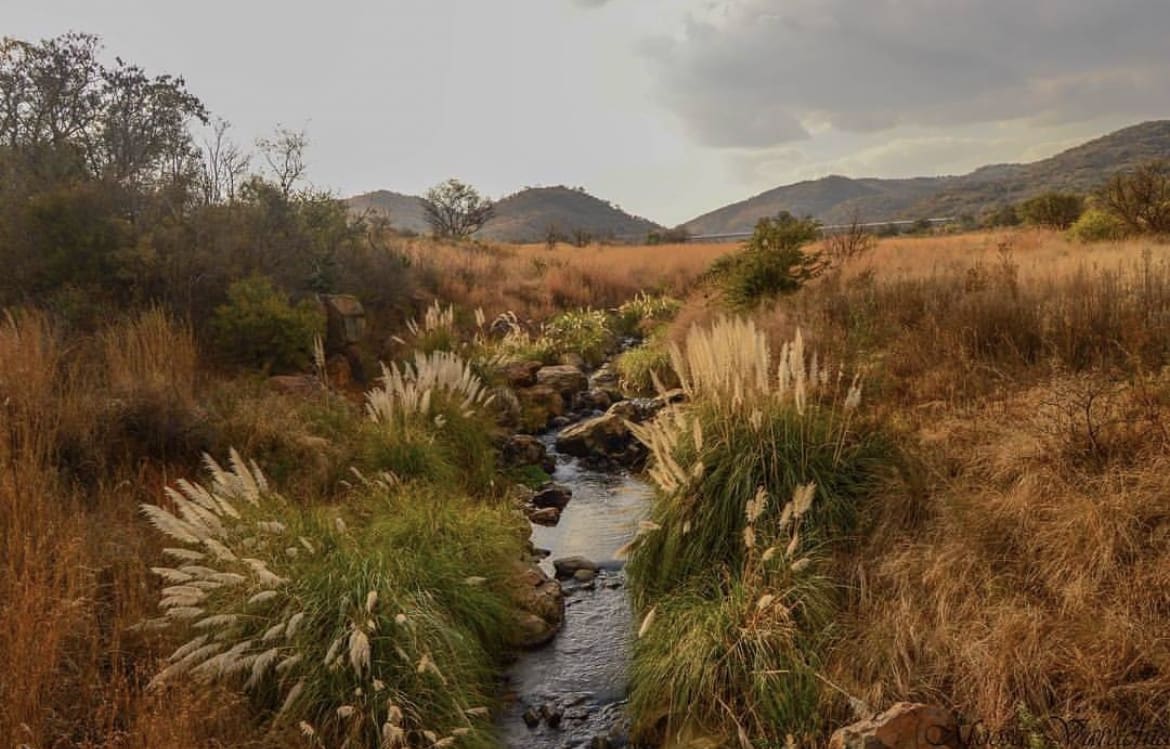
{"x": 757, "y": 73}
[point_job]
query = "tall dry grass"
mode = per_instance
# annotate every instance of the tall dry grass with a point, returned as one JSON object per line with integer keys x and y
{"x": 536, "y": 282}
{"x": 72, "y": 575}
{"x": 1025, "y": 581}
{"x": 1023, "y": 569}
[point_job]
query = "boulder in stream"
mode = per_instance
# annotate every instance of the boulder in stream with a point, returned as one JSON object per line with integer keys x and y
{"x": 568, "y": 566}
{"x": 552, "y": 494}
{"x": 538, "y": 405}
{"x": 523, "y": 450}
{"x": 545, "y": 516}
{"x": 566, "y": 379}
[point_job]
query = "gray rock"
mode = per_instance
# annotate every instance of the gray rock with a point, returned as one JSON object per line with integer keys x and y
{"x": 565, "y": 379}
{"x": 568, "y": 566}
{"x": 584, "y": 575}
{"x": 594, "y": 399}
{"x": 552, "y": 494}
{"x": 531, "y": 717}
{"x": 545, "y": 516}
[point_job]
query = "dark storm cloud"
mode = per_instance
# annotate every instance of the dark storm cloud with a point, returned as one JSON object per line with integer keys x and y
{"x": 749, "y": 72}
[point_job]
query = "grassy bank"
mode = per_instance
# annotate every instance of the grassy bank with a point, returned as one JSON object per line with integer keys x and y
{"x": 1005, "y": 560}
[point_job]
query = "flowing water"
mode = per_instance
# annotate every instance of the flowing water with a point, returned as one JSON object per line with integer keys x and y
{"x": 582, "y": 672}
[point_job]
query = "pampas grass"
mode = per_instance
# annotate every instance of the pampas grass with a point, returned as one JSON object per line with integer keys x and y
{"x": 364, "y": 637}
{"x": 733, "y": 575}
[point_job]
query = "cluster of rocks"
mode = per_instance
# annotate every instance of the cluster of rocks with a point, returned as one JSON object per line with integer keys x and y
{"x": 574, "y": 708}
{"x": 541, "y": 606}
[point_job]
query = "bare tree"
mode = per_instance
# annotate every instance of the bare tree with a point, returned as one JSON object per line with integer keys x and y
{"x": 285, "y": 154}
{"x": 1141, "y": 199}
{"x": 851, "y": 242}
{"x": 224, "y": 165}
{"x": 454, "y": 209}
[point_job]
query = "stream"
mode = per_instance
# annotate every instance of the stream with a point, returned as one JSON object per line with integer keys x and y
{"x": 581, "y": 675}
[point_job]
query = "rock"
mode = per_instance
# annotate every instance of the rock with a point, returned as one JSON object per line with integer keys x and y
{"x": 296, "y": 384}
{"x": 552, "y": 715}
{"x": 659, "y": 402}
{"x": 531, "y": 717}
{"x": 523, "y": 450}
{"x": 572, "y": 359}
{"x": 545, "y": 516}
{"x": 552, "y": 494}
{"x": 906, "y": 725}
{"x": 565, "y": 379}
{"x": 542, "y": 553}
{"x": 568, "y": 566}
{"x": 594, "y": 399}
{"x": 521, "y": 373}
{"x": 532, "y": 631}
{"x": 539, "y": 404}
{"x": 541, "y": 597}
{"x": 345, "y": 321}
{"x": 606, "y": 435}
{"x": 584, "y": 576}
{"x": 559, "y": 422}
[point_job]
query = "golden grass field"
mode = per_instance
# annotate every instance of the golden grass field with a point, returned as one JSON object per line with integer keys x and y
{"x": 1021, "y": 562}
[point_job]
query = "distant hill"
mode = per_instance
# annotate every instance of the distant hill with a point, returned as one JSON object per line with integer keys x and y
{"x": 522, "y": 217}
{"x": 837, "y": 199}
{"x": 403, "y": 211}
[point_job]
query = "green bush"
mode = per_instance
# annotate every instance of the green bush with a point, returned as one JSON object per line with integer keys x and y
{"x": 786, "y": 450}
{"x": 585, "y": 331}
{"x": 639, "y": 366}
{"x": 771, "y": 263}
{"x": 258, "y": 327}
{"x": 637, "y": 315}
{"x": 1055, "y": 210}
{"x": 1096, "y": 225}
{"x": 725, "y": 663}
{"x": 386, "y": 634}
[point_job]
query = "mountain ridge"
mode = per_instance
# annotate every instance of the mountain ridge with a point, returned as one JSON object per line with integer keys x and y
{"x": 528, "y": 214}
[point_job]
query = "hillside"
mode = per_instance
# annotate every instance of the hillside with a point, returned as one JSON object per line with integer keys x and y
{"x": 524, "y": 216}
{"x": 403, "y": 211}
{"x": 837, "y": 199}
{"x": 527, "y": 215}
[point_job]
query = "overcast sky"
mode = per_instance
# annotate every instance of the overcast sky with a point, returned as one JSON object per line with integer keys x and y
{"x": 669, "y": 108}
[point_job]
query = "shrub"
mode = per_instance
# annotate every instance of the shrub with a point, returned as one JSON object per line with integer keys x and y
{"x": 375, "y": 637}
{"x": 258, "y": 327}
{"x": 639, "y": 366}
{"x": 1096, "y": 225}
{"x": 430, "y": 422}
{"x": 586, "y": 332}
{"x": 771, "y": 263}
{"x": 436, "y": 331}
{"x": 1141, "y": 199}
{"x": 643, "y": 311}
{"x": 1055, "y": 210}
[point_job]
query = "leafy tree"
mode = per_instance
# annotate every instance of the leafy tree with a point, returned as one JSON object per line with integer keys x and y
{"x": 1004, "y": 215}
{"x": 1141, "y": 199}
{"x": 456, "y": 210}
{"x": 259, "y": 327}
{"x": 1055, "y": 210}
{"x": 1096, "y": 225}
{"x": 772, "y": 262}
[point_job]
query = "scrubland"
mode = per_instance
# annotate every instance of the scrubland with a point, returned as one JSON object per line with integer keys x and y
{"x": 935, "y": 473}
